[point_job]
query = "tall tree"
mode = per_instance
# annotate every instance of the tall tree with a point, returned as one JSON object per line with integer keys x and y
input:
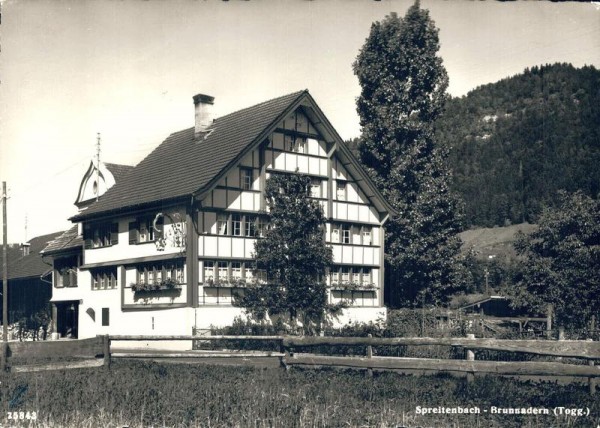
{"x": 294, "y": 255}
{"x": 562, "y": 265}
{"x": 403, "y": 92}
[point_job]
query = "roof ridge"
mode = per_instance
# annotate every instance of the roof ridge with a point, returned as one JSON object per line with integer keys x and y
{"x": 297, "y": 93}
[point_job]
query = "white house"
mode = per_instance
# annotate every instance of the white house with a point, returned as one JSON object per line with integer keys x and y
{"x": 161, "y": 250}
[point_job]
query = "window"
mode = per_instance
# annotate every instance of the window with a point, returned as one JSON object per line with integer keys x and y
{"x": 65, "y": 272}
{"x": 341, "y": 190}
{"x": 156, "y": 273}
{"x": 345, "y": 274}
{"x": 366, "y": 276}
{"x": 315, "y": 187}
{"x": 236, "y": 223}
{"x": 105, "y": 317}
{"x": 222, "y": 224}
{"x": 346, "y": 234}
{"x": 209, "y": 270}
{"x": 104, "y": 278}
{"x": 236, "y": 270}
{"x": 335, "y": 275}
{"x": 366, "y": 235}
{"x": 216, "y": 296}
{"x": 246, "y": 178}
{"x": 300, "y": 146}
{"x": 261, "y": 275}
{"x": 250, "y": 225}
{"x": 356, "y": 275}
{"x": 223, "y": 271}
{"x": 335, "y": 233}
{"x": 146, "y": 229}
{"x": 261, "y": 226}
{"x": 100, "y": 235}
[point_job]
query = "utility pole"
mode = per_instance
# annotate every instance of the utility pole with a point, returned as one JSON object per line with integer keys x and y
{"x": 4, "y": 268}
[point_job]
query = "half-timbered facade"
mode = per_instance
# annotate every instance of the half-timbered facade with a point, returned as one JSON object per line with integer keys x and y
{"x": 164, "y": 248}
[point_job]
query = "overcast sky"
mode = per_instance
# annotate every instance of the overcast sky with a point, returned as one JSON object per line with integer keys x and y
{"x": 129, "y": 69}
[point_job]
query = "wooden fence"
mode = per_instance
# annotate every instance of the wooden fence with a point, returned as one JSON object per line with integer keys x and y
{"x": 586, "y": 350}
{"x": 53, "y": 355}
{"x": 34, "y": 356}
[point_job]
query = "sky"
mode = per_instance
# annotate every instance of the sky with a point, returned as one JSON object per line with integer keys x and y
{"x": 129, "y": 69}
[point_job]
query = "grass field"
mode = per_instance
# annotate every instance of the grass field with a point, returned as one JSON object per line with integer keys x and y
{"x": 137, "y": 394}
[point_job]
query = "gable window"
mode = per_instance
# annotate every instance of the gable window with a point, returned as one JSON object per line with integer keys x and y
{"x": 366, "y": 235}
{"x": 104, "y": 278}
{"x": 250, "y": 225}
{"x": 98, "y": 235}
{"x": 236, "y": 223}
{"x": 143, "y": 229}
{"x": 222, "y": 224}
{"x": 315, "y": 187}
{"x": 341, "y": 190}
{"x": 261, "y": 226}
{"x": 246, "y": 178}
{"x": 335, "y": 233}
{"x": 346, "y": 234}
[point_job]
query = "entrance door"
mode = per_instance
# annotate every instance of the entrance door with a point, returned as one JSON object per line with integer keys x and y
{"x": 67, "y": 316}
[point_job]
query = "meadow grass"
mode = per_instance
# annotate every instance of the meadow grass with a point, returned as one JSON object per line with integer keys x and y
{"x": 144, "y": 394}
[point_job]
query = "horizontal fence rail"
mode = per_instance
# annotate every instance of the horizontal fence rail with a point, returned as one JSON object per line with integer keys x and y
{"x": 97, "y": 351}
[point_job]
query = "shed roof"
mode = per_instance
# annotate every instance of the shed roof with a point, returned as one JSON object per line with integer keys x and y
{"x": 69, "y": 239}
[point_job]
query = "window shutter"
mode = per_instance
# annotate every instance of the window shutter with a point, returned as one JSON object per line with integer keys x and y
{"x": 87, "y": 236}
{"x": 133, "y": 232}
{"x": 160, "y": 224}
{"x": 114, "y": 234}
{"x": 73, "y": 274}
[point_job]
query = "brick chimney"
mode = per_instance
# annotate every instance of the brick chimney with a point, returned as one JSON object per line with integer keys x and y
{"x": 203, "y": 108}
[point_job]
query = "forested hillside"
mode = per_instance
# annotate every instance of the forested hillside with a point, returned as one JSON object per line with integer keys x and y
{"x": 515, "y": 143}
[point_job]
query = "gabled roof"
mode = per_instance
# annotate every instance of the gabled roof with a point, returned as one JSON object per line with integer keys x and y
{"x": 32, "y": 264}
{"x": 69, "y": 239}
{"x": 184, "y": 166}
{"x": 181, "y": 164}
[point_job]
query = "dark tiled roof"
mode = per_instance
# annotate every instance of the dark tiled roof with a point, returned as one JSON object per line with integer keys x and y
{"x": 182, "y": 165}
{"x": 118, "y": 171}
{"x": 31, "y": 264}
{"x": 67, "y": 240}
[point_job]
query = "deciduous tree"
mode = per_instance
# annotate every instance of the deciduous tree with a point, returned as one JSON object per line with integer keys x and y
{"x": 403, "y": 92}
{"x": 294, "y": 255}
{"x": 562, "y": 265}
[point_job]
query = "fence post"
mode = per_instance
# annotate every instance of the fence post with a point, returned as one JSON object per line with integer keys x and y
{"x": 549, "y": 322}
{"x": 470, "y": 357}
{"x": 4, "y": 357}
{"x": 369, "y": 356}
{"x": 106, "y": 350}
{"x": 561, "y": 333}
{"x": 592, "y": 381}
{"x": 282, "y": 360}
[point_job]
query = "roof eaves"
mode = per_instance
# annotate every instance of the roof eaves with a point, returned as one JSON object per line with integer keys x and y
{"x": 130, "y": 209}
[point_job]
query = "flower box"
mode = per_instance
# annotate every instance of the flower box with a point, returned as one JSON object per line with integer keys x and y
{"x": 352, "y": 286}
